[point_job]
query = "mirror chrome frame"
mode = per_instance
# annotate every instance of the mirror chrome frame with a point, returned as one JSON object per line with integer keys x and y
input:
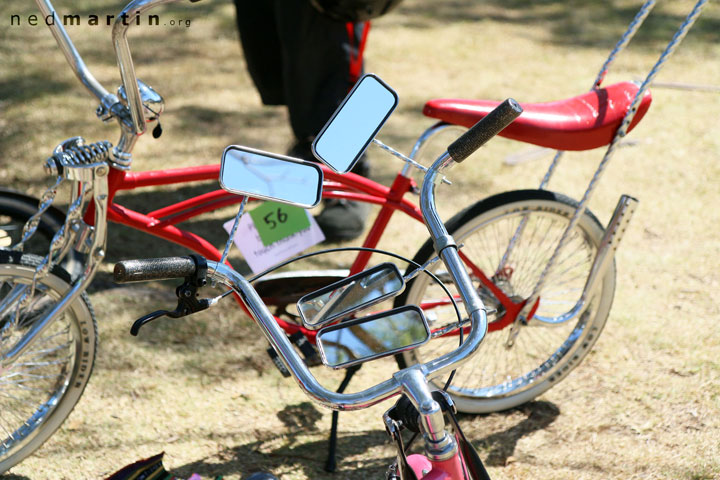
{"x": 284, "y": 158}
{"x": 369, "y": 140}
{"x": 370, "y": 318}
{"x": 346, "y": 313}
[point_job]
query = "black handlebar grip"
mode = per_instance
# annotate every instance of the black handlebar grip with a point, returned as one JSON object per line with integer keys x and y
{"x": 154, "y": 269}
{"x": 489, "y": 126}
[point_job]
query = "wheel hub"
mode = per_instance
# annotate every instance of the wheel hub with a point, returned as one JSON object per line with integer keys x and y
{"x": 507, "y": 310}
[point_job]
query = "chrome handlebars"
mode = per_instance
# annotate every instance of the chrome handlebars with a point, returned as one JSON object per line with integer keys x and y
{"x": 399, "y": 383}
{"x": 406, "y": 381}
{"x": 109, "y": 102}
{"x": 73, "y": 57}
{"x": 125, "y": 62}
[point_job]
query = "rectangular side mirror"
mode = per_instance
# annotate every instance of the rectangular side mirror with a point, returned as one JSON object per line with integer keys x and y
{"x": 364, "y": 339}
{"x": 259, "y": 174}
{"x": 355, "y": 123}
{"x": 342, "y": 298}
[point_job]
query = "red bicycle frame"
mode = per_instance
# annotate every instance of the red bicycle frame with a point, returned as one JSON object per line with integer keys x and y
{"x": 163, "y": 222}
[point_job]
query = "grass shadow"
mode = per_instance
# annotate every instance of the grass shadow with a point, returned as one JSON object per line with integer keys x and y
{"x": 308, "y": 458}
{"x": 25, "y": 86}
{"x": 587, "y": 23}
{"x": 501, "y": 445}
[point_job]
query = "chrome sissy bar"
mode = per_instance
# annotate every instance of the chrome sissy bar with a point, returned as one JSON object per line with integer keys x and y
{"x": 627, "y": 204}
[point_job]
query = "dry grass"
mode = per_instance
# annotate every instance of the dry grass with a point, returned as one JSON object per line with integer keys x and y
{"x": 644, "y": 404}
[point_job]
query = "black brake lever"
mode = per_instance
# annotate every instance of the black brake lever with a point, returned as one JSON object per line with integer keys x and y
{"x": 146, "y": 319}
{"x": 188, "y": 303}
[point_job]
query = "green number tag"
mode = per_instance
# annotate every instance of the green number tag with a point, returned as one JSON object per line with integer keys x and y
{"x": 275, "y": 221}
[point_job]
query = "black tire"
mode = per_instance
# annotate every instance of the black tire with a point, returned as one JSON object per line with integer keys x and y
{"x": 56, "y": 366}
{"x": 15, "y": 209}
{"x": 498, "y": 378}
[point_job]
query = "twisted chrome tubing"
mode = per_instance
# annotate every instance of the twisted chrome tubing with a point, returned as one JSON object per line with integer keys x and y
{"x": 624, "y": 40}
{"x": 122, "y": 50}
{"x": 619, "y": 46}
{"x": 79, "y": 285}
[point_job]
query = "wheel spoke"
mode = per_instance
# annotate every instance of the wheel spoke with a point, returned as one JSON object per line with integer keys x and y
{"x": 500, "y": 377}
{"x": 35, "y": 396}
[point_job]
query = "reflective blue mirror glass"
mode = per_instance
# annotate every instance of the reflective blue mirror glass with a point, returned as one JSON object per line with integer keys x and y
{"x": 355, "y": 123}
{"x": 343, "y": 298}
{"x": 259, "y": 174}
{"x": 357, "y": 341}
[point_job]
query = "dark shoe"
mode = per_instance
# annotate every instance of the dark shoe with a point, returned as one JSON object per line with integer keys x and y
{"x": 342, "y": 220}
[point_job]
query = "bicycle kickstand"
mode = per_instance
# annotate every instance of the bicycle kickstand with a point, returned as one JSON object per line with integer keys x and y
{"x": 331, "y": 463}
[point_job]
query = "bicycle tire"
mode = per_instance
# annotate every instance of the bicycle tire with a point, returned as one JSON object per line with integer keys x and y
{"x": 58, "y": 364}
{"x": 15, "y": 210}
{"x": 498, "y": 378}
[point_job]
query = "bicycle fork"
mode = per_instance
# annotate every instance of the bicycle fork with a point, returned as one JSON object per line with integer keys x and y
{"x": 74, "y": 161}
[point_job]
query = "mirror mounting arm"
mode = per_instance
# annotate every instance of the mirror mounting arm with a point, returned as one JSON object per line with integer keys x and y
{"x": 405, "y": 159}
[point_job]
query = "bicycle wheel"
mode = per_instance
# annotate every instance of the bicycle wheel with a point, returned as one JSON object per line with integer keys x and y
{"x": 501, "y": 377}
{"x": 15, "y": 209}
{"x": 41, "y": 387}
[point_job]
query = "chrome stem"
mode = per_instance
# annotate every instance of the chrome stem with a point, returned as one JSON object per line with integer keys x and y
{"x": 125, "y": 63}
{"x": 439, "y": 444}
